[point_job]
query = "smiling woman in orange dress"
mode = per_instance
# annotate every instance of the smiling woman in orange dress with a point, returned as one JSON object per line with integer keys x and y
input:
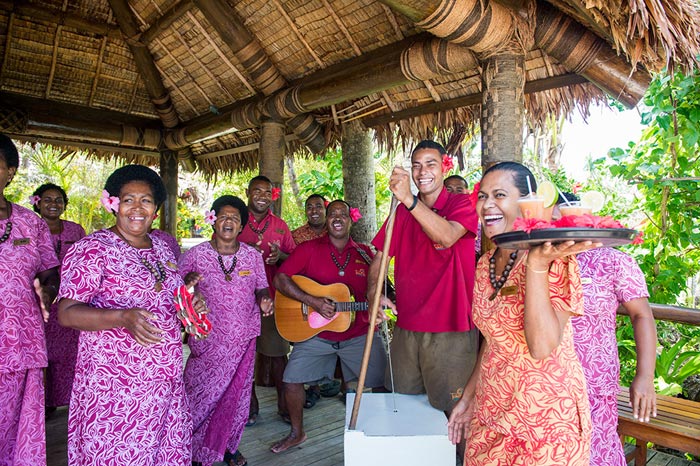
{"x": 526, "y": 401}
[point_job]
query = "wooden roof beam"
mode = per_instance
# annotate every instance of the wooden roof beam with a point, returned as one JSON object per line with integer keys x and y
{"x": 416, "y": 59}
{"x": 166, "y": 20}
{"x": 56, "y": 16}
{"x": 145, "y": 64}
{"x": 471, "y": 99}
{"x": 264, "y": 73}
{"x": 484, "y": 29}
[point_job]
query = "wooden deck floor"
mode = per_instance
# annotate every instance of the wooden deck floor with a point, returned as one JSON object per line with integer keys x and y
{"x": 324, "y": 427}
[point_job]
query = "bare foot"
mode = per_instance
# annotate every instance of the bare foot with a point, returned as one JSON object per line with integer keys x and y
{"x": 291, "y": 440}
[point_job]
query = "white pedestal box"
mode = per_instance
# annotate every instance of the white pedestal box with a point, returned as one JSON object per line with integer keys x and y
{"x": 414, "y": 433}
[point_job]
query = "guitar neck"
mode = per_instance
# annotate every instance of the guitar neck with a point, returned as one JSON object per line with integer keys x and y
{"x": 351, "y": 306}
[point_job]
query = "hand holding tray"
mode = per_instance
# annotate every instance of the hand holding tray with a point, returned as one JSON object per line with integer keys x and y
{"x": 610, "y": 237}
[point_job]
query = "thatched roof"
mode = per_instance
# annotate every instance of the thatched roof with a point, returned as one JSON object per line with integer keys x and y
{"x": 72, "y": 72}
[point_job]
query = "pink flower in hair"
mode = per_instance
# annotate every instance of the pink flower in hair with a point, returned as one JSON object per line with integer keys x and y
{"x": 355, "y": 214}
{"x": 325, "y": 203}
{"x": 639, "y": 238}
{"x": 210, "y": 217}
{"x": 276, "y": 193}
{"x": 110, "y": 203}
{"x": 34, "y": 200}
{"x": 447, "y": 163}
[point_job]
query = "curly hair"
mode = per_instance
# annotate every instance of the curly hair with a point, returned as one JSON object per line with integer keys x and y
{"x": 45, "y": 187}
{"x": 8, "y": 151}
{"x": 129, "y": 173}
{"x": 236, "y": 203}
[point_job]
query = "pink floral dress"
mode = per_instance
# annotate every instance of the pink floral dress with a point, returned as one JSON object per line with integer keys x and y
{"x": 128, "y": 404}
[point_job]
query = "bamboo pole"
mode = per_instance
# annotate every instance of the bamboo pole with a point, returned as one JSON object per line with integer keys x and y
{"x": 374, "y": 309}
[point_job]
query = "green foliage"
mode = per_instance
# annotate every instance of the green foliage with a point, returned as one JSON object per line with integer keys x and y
{"x": 674, "y": 365}
{"x": 326, "y": 180}
{"x": 663, "y": 168}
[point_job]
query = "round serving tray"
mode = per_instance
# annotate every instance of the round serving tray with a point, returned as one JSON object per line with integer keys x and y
{"x": 521, "y": 240}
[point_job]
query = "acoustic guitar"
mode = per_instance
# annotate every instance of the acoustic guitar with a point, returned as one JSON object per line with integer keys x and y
{"x": 298, "y": 322}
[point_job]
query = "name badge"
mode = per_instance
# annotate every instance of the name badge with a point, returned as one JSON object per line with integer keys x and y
{"x": 21, "y": 242}
{"x": 509, "y": 290}
{"x": 244, "y": 273}
{"x": 171, "y": 265}
{"x": 586, "y": 280}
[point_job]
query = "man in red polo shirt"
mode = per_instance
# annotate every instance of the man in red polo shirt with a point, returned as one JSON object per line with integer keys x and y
{"x": 334, "y": 258}
{"x": 270, "y": 235}
{"x": 435, "y": 343}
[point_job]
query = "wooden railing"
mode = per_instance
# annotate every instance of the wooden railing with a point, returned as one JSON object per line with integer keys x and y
{"x": 682, "y": 315}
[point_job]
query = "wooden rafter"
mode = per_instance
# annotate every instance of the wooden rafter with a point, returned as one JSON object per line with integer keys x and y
{"x": 165, "y": 20}
{"x": 221, "y": 54}
{"x": 56, "y": 16}
{"x": 471, "y": 99}
{"x": 144, "y": 62}
{"x": 239, "y": 149}
{"x": 54, "y": 57}
{"x": 98, "y": 71}
{"x": 296, "y": 31}
{"x": 8, "y": 47}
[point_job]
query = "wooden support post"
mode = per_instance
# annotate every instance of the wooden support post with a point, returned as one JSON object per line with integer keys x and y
{"x": 358, "y": 178}
{"x": 271, "y": 153}
{"x": 168, "y": 172}
{"x": 502, "y": 109}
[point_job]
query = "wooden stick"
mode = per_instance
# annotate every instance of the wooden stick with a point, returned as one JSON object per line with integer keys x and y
{"x": 374, "y": 309}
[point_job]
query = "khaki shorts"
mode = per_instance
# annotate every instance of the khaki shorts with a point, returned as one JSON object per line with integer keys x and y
{"x": 270, "y": 342}
{"x": 313, "y": 361}
{"x": 438, "y": 364}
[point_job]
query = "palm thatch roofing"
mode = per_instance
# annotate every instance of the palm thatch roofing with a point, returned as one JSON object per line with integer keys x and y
{"x": 133, "y": 77}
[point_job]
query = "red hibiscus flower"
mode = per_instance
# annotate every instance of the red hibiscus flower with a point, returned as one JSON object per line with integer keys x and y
{"x": 447, "y": 163}
{"x": 276, "y": 193}
{"x": 529, "y": 224}
{"x": 474, "y": 196}
{"x": 639, "y": 238}
{"x": 355, "y": 214}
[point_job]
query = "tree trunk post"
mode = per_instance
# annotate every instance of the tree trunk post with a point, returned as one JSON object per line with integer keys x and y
{"x": 502, "y": 109}
{"x": 358, "y": 178}
{"x": 271, "y": 165}
{"x": 168, "y": 172}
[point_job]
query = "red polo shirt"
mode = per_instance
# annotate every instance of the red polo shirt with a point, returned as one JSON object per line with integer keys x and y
{"x": 274, "y": 230}
{"x": 312, "y": 259}
{"x": 434, "y": 285}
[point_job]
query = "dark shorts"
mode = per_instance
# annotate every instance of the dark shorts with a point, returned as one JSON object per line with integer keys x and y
{"x": 270, "y": 342}
{"x": 313, "y": 361}
{"x": 438, "y": 364}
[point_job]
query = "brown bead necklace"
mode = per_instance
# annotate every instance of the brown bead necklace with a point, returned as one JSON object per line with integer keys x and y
{"x": 224, "y": 269}
{"x": 259, "y": 232}
{"x": 157, "y": 270}
{"x": 8, "y": 225}
{"x": 497, "y": 284}
{"x": 341, "y": 269}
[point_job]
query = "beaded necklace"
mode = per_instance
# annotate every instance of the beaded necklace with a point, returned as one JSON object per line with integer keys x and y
{"x": 57, "y": 246}
{"x": 226, "y": 271}
{"x": 341, "y": 269}
{"x": 158, "y": 271}
{"x": 259, "y": 232}
{"x": 497, "y": 284}
{"x": 8, "y": 225}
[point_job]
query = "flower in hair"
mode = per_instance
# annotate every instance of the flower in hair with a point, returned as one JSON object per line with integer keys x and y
{"x": 110, "y": 203}
{"x": 474, "y": 195}
{"x": 210, "y": 217}
{"x": 34, "y": 200}
{"x": 447, "y": 163}
{"x": 325, "y": 203}
{"x": 355, "y": 214}
{"x": 276, "y": 193}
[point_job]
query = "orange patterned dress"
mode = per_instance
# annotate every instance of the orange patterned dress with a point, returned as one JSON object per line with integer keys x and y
{"x": 527, "y": 411}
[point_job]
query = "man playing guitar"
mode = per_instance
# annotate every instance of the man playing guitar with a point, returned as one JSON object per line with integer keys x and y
{"x": 334, "y": 258}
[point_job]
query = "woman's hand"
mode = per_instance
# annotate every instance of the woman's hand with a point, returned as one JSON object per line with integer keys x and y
{"x": 44, "y": 299}
{"x": 199, "y": 304}
{"x": 460, "y": 419}
{"x": 192, "y": 279}
{"x": 642, "y": 398}
{"x": 266, "y": 306}
{"x": 137, "y": 322}
{"x": 540, "y": 257}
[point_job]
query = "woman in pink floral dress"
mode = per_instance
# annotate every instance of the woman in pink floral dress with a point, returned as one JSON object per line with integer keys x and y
{"x": 525, "y": 402}
{"x": 128, "y": 405}
{"x": 25, "y": 255}
{"x": 231, "y": 277}
{"x": 50, "y": 202}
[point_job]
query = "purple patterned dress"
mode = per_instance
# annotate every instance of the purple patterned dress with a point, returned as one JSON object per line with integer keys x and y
{"x": 128, "y": 404}
{"x": 219, "y": 372}
{"x": 25, "y": 253}
{"x": 61, "y": 342}
{"x": 609, "y": 278}
{"x": 169, "y": 239}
